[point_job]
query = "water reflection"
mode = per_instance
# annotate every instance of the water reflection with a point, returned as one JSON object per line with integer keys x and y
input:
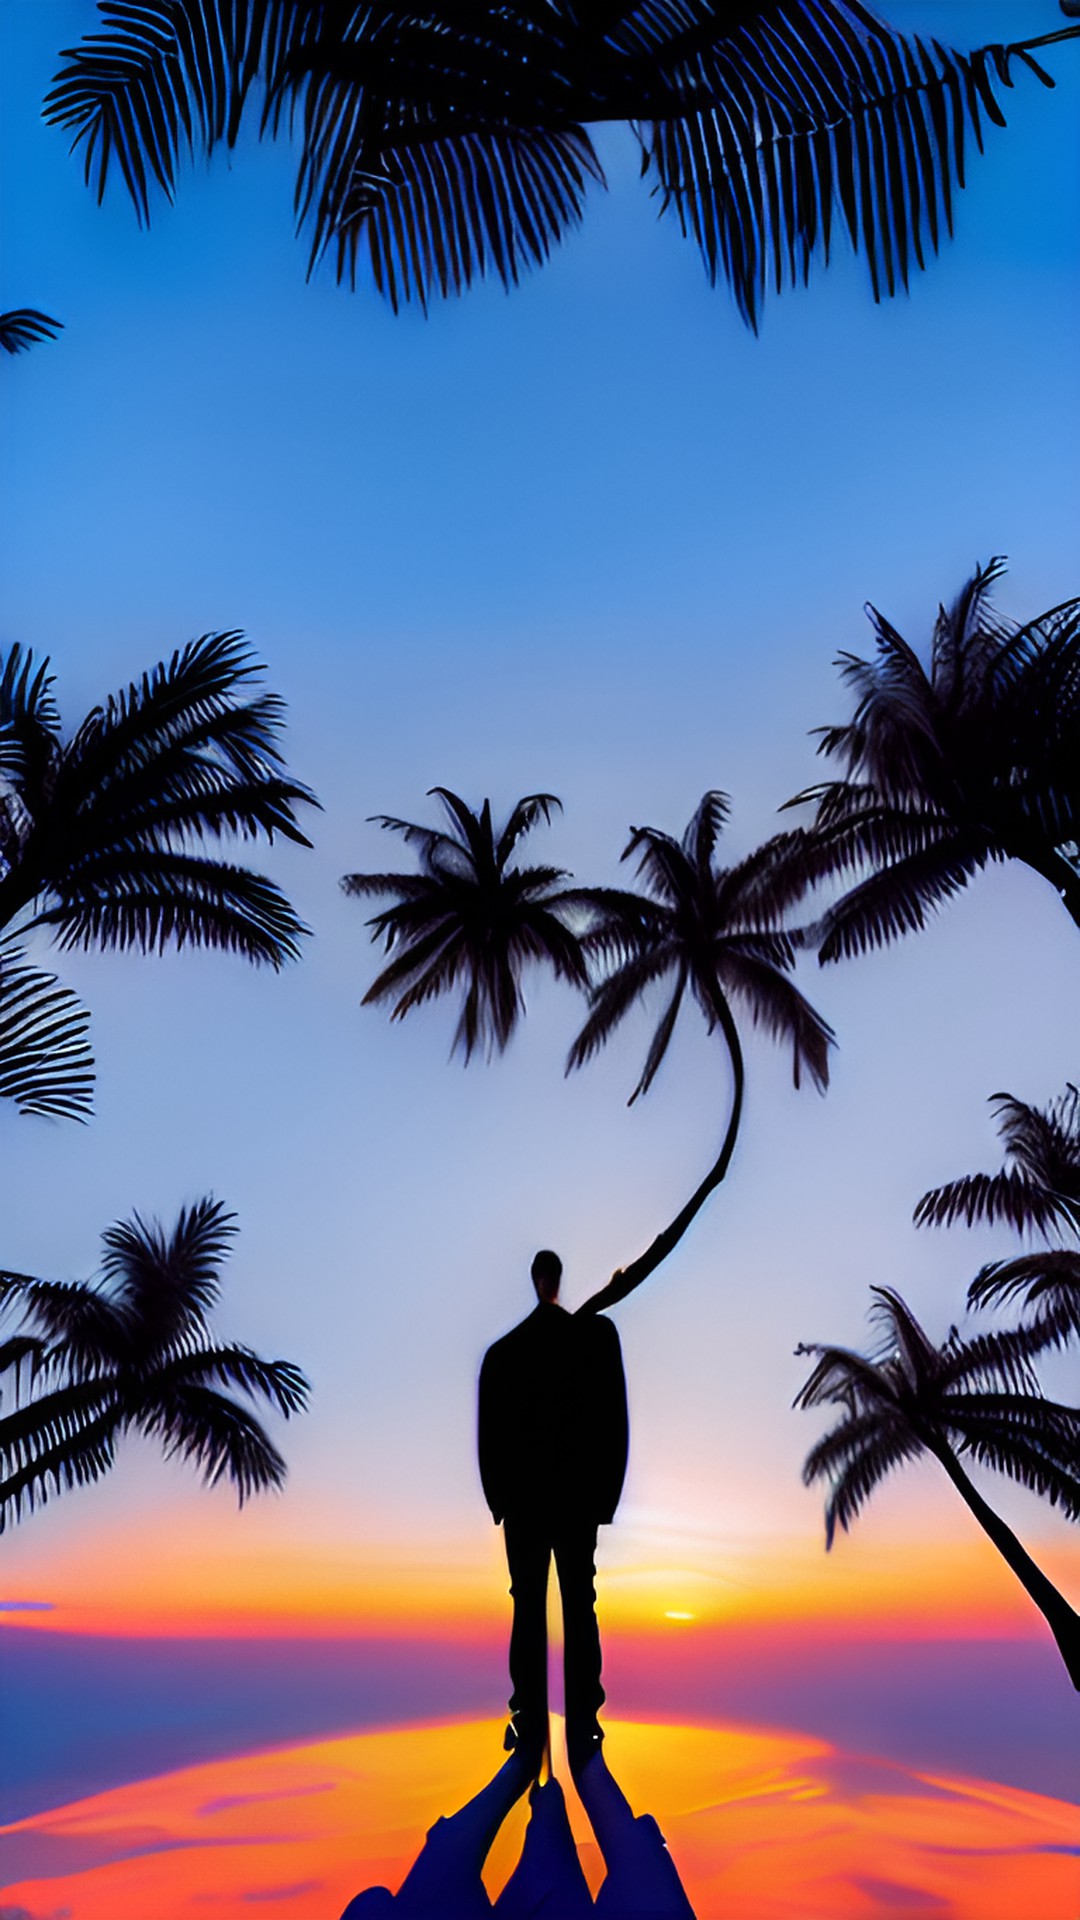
{"x": 444, "y": 1882}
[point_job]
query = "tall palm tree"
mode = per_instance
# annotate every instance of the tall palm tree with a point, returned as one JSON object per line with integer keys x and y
{"x": 102, "y": 834}
{"x": 135, "y": 1352}
{"x": 709, "y": 933}
{"x": 971, "y": 759}
{"x": 470, "y": 919}
{"x": 970, "y": 1399}
{"x": 449, "y": 141}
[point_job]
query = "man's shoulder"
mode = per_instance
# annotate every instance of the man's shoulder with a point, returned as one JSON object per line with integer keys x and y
{"x": 521, "y": 1335}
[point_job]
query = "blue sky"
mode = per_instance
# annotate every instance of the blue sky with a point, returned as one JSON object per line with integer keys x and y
{"x": 594, "y": 538}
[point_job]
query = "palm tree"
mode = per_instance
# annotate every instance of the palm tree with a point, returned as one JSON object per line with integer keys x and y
{"x": 975, "y": 758}
{"x": 950, "y": 1401}
{"x": 24, "y": 327}
{"x": 710, "y": 933}
{"x": 102, "y": 834}
{"x": 135, "y": 1353}
{"x": 450, "y": 141}
{"x": 471, "y": 920}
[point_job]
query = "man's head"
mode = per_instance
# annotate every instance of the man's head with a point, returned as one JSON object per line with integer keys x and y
{"x": 546, "y": 1274}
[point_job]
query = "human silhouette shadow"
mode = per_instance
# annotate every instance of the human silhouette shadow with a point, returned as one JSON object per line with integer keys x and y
{"x": 444, "y": 1882}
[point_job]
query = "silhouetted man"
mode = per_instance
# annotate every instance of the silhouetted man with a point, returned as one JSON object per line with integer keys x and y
{"x": 553, "y": 1442}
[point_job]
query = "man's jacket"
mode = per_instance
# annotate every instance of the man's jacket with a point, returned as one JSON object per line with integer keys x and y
{"x": 553, "y": 1430}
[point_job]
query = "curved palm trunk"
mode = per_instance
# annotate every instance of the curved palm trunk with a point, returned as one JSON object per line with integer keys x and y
{"x": 1060, "y": 1617}
{"x": 632, "y": 1276}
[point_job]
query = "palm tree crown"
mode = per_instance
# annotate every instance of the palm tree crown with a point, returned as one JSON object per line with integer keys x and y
{"x": 99, "y": 834}
{"x": 470, "y": 919}
{"x": 708, "y": 930}
{"x": 972, "y": 759}
{"x": 450, "y": 141}
{"x": 135, "y": 1352}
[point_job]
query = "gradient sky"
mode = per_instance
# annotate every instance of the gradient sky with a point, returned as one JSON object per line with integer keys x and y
{"x": 593, "y": 538}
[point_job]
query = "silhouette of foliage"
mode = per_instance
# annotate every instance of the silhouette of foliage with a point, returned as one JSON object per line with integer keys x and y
{"x": 101, "y": 840}
{"x": 135, "y": 1352}
{"x": 973, "y": 759}
{"x": 1038, "y": 1187}
{"x": 912, "y": 1398}
{"x": 449, "y": 143}
{"x": 24, "y": 327}
{"x": 470, "y": 920}
{"x": 707, "y": 930}
{"x": 46, "y": 1065}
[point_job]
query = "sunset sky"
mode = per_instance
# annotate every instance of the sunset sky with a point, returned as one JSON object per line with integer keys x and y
{"x": 594, "y": 538}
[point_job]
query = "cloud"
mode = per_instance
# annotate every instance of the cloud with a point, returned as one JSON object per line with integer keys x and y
{"x": 294, "y": 1892}
{"x": 229, "y": 1800}
{"x": 24, "y": 1606}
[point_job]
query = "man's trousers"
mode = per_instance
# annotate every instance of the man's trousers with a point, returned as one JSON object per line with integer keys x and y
{"x": 530, "y": 1544}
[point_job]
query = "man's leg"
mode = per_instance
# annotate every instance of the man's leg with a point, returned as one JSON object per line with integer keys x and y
{"x": 575, "y": 1559}
{"x": 528, "y": 1555}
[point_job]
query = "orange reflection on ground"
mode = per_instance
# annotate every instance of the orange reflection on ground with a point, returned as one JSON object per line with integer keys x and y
{"x": 762, "y": 1826}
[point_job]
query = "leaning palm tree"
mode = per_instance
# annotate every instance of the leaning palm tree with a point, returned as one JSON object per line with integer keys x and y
{"x": 135, "y": 1353}
{"x": 972, "y": 758}
{"x": 708, "y": 934}
{"x": 103, "y": 833}
{"x": 446, "y": 142}
{"x": 1039, "y": 1186}
{"x": 471, "y": 919}
{"x": 973, "y": 1400}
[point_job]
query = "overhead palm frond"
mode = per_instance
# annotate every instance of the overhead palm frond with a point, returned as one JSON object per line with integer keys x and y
{"x": 134, "y": 1353}
{"x": 972, "y": 758}
{"x": 449, "y": 143}
{"x": 46, "y": 1064}
{"x": 1039, "y": 1186}
{"x": 24, "y": 327}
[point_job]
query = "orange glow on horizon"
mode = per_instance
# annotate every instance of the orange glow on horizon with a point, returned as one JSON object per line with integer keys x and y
{"x": 907, "y": 1590}
{"x": 758, "y": 1824}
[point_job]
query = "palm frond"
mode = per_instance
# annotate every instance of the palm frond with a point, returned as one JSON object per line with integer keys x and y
{"x": 1009, "y": 1196}
{"x": 152, "y": 900}
{"x": 612, "y": 998}
{"x": 224, "y": 1440}
{"x": 899, "y": 899}
{"x": 816, "y": 107}
{"x": 24, "y": 327}
{"x": 775, "y": 1004}
{"x": 447, "y": 145}
{"x": 278, "y": 1381}
{"x": 74, "y": 1460}
{"x": 46, "y": 1063}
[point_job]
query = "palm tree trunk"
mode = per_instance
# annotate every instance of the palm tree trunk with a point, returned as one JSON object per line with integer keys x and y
{"x": 627, "y": 1278}
{"x": 1060, "y": 1617}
